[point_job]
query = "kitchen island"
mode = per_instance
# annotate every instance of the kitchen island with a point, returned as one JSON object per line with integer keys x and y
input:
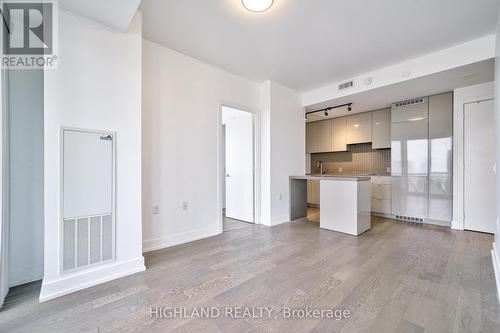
{"x": 344, "y": 202}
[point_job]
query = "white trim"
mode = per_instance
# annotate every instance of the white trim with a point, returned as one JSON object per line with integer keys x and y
{"x": 85, "y": 279}
{"x": 461, "y": 97}
{"x": 495, "y": 257}
{"x": 179, "y": 238}
{"x": 275, "y": 220}
{"x": 256, "y": 161}
{"x": 25, "y": 275}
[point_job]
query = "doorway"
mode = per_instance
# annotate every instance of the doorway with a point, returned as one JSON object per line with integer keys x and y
{"x": 479, "y": 166}
{"x": 238, "y": 160}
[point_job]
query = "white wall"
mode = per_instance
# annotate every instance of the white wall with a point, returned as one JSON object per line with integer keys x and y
{"x": 496, "y": 244}
{"x": 462, "y": 96}
{"x": 97, "y": 86}
{"x": 26, "y": 176}
{"x": 283, "y": 147}
{"x": 182, "y": 99}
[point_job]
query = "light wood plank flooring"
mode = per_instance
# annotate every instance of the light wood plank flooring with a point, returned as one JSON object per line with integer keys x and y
{"x": 231, "y": 224}
{"x": 398, "y": 277}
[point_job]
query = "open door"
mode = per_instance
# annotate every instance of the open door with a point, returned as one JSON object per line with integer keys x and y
{"x": 239, "y": 164}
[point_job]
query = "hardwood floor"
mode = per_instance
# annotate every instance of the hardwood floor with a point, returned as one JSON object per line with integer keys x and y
{"x": 231, "y": 224}
{"x": 398, "y": 277}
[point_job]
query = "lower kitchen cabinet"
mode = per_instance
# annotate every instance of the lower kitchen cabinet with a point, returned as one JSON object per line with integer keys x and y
{"x": 313, "y": 192}
{"x": 381, "y": 197}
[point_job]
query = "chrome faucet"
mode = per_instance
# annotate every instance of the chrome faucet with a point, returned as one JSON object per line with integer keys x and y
{"x": 321, "y": 167}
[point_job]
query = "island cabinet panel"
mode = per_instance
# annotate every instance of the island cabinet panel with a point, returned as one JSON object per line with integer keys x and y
{"x": 381, "y": 129}
{"x": 359, "y": 128}
{"x": 339, "y": 134}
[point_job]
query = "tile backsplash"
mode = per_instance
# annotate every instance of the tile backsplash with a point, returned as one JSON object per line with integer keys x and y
{"x": 360, "y": 158}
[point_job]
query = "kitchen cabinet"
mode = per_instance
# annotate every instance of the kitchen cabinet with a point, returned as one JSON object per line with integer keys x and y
{"x": 381, "y": 129}
{"x": 313, "y": 192}
{"x": 381, "y": 197}
{"x": 311, "y": 137}
{"x": 319, "y": 137}
{"x": 441, "y": 157}
{"x": 339, "y": 134}
{"x": 359, "y": 128}
{"x": 324, "y": 136}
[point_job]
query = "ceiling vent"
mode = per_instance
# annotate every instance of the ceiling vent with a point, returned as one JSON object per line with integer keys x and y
{"x": 410, "y": 102}
{"x": 346, "y": 85}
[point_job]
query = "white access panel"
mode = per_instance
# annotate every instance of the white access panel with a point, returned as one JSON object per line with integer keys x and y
{"x": 88, "y": 170}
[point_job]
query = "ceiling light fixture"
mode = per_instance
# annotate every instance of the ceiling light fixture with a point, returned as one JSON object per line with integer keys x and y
{"x": 257, "y": 5}
{"x": 349, "y": 108}
{"x": 326, "y": 113}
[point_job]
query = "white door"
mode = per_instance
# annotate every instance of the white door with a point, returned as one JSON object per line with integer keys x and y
{"x": 479, "y": 166}
{"x": 239, "y": 154}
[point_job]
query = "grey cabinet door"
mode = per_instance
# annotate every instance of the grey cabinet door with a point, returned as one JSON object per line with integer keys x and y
{"x": 339, "y": 134}
{"x": 359, "y": 128}
{"x": 440, "y": 157}
{"x": 325, "y": 136}
{"x": 381, "y": 129}
{"x": 311, "y": 138}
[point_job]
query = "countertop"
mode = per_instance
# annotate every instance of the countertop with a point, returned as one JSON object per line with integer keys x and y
{"x": 352, "y": 178}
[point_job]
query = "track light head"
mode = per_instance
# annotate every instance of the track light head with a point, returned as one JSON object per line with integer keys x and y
{"x": 349, "y": 108}
{"x": 326, "y": 113}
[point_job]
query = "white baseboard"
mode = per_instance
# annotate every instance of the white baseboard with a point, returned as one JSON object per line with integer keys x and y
{"x": 89, "y": 278}
{"x": 274, "y": 221}
{"x": 280, "y": 220}
{"x": 457, "y": 225}
{"x": 495, "y": 257}
{"x": 22, "y": 276}
{"x": 180, "y": 238}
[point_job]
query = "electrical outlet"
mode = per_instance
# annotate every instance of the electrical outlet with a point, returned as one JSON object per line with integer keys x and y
{"x": 156, "y": 210}
{"x": 389, "y": 170}
{"x": 185, "y": 205}
{"x": 341, "y": 170}
{"x": 280, "y": 196}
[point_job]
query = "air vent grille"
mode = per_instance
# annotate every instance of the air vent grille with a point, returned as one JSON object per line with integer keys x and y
{"x": 346, "y": 85}
{"x": 410, "y": 102}
{"x": 409, "y": 218}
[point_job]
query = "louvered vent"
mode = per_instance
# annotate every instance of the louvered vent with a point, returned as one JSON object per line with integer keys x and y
{"x": 410, "y": 102}
{"x": 346, "y": 85}
{"x": 87, "y": 241}
{"x": 409, "y": 218}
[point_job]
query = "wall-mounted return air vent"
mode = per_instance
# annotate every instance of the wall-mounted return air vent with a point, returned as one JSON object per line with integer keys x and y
{"x": 346, "y": 85}
{"x": 410, "y": 102}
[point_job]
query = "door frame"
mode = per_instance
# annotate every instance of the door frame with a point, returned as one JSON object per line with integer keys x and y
{"x": 464, "y": 138}
{"x": 256, "y": 161}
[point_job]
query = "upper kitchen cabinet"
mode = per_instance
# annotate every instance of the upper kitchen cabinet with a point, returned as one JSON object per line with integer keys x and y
{"x": 311, "y": 137}
{"x": 319, "y": 137}
{"x": 359, "y": 128}
{"x": 381, "y": 129}
{"x": 324, "y": 136}
{"x": 339, "y": 134}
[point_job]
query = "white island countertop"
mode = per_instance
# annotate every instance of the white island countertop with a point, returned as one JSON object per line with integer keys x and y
{"x": 352, "y": 178}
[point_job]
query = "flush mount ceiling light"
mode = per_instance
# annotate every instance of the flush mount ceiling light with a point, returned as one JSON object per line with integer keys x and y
{"x": 257, "y": 5}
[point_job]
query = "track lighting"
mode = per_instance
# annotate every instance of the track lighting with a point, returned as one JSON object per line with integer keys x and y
{"x": 326, "y": 113}
{"x": 349, "y": 108}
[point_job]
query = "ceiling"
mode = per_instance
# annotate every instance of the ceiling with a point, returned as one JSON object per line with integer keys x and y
{"x": 116, "y": 14}
{"x": 381, "y": 98}
{"x": 306, "y": 44}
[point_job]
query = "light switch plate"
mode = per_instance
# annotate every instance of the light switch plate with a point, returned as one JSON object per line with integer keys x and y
{"x": 156, "y": 210}
{"x": 185, "y": 205}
